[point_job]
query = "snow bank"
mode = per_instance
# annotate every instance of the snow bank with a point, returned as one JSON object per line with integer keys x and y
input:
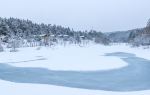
{"x": 9, "y": 88}
{"x": 74, "y": 58}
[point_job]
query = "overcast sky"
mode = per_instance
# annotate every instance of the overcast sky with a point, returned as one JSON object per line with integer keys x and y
{"x": 100, "y": 15}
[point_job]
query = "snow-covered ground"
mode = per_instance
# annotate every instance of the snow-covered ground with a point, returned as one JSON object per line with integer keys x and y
{"x": 63, "y": 58}
{"x": 74, "y": 58}
{"x": 9, "y": 88}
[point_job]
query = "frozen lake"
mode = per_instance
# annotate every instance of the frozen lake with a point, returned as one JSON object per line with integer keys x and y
{"x": 133, "y": 77}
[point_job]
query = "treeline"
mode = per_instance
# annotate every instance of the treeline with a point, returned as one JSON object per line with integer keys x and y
{"x": 17, "y": 29}
{"x": 21, "y": 33}
{"x": 140, "y": 37}
{"x": 135, "y": 37}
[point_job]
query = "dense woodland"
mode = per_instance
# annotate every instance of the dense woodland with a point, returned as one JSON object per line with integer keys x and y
{"x": 19, "y": 32}
{"x": 22, "y": 33}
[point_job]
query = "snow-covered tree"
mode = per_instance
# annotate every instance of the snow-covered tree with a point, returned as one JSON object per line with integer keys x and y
{"x": 26, "y": 29}
{"x": 148, "y": 23}
{"x": 14, "y": 44}
{"x": 1, "y": 47}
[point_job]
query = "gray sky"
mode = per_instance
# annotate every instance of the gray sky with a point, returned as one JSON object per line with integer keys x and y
{"x": 101, "y": 15}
